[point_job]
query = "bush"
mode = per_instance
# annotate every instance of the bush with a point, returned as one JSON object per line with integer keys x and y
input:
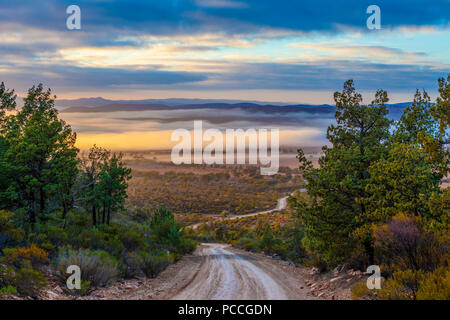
{"x": 9, "y": 236}
{"x": 97, "y": 267}
{"x": 29, "y": 281}
{"x": 131, "y": 266}
{"x": 403, "y": 285}
{"x": 132, "y": 240}
{"x": 435, "y": 285}
{"x": 188, "y": 246}
{"x": 33, "y": 254}
{"x": 152, "y": 264}
{"x": 361, "y": 292}
{"x": 247, "y": 244}
{"x": 7, "y": 291}
{"x": 403, "y": 244}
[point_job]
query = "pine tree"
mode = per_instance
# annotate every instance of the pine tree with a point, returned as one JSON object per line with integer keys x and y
{"x": 333, "y": 213}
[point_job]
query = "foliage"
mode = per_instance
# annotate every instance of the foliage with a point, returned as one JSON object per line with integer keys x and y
{"x": 98, "y": 267}
{"x": 152, "y": 264}
{"x": 403, "y": 244}
{"x": 332, "y": 213}
{"x": 16, "y": 256}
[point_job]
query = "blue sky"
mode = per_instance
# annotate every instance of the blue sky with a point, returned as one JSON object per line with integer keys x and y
{"x": 293, "y": 51}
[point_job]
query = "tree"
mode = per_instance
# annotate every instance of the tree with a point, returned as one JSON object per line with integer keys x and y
{"x": 437, "y": 148}
{"x": 332, "y": 212}
{"x": 112, "y": 185}
{"x": 402, "y": 182}
{"x": 7, "y": 104}
{"x": 91, "y": 167}
{"x": 40, "y": 146}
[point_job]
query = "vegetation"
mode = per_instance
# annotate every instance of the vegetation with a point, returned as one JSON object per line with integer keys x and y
{"x": 230, "y": 190}
{"x": 59, "y": 208}
{"x": 376, "y": 197}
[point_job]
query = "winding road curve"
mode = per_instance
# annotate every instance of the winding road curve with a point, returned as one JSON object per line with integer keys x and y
{"x": 281, "y": 205}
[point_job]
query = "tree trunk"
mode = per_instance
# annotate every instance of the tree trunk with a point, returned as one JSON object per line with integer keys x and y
{"x": 109, "y": 215}
{"x": 94, "y": 215}
{"x": 104, "y": 212}
{"x": 42, "y": 201}
{"x": 370, "y": 251}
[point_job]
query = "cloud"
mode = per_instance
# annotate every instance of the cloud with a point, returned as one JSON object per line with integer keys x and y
{"x": 189, "y": 17}
{"x": 78, "y": 78}
{"x": 220, "y": 45}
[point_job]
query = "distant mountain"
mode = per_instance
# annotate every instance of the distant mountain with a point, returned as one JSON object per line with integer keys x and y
{"x": 250, "y": 107}
{"x": 395, "y": 109}
{"x": 99, "y": 101}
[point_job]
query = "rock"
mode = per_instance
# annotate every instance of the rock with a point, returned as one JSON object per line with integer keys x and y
{"x": 51, "y": 295}
{"x": 58, "y": 290}
{"x": 321, "y": 294}
{"x": 332, "y": 297}
{"x": 335, "y": 279}
{"x": 130, "y": 287}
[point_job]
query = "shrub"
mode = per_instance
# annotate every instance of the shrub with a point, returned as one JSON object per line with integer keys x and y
{"x": 188, "y": 246}
{"x": 247, "y": 244}
{"x": 403, "y": 285}
{"x": 403, "y": 244}
{"x": 85, "y": 288}
{"x": 97, "y": 267}
{"x": 152, "y": 264}
{"x": 132, "y": 240}
{"x": 361, "y": 292}
{"x": 56, "y": 236}
{"x": 29, "y": 281}
{"x": 131, "y": 266}
{"x": 33, "y": 254}
{"x": 435, "y": 285}
{"x": 9, "y": 236}
{"x": 7, "y": 291}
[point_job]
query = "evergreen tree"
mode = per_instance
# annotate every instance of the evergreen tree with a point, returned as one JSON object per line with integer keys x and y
{"x": 40, "y": 147}
{"x": 333, "y": 211}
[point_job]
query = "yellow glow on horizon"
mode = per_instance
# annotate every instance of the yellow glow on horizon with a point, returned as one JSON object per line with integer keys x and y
{"x": 126, "y": 140}
{"x": 162, "y": 139}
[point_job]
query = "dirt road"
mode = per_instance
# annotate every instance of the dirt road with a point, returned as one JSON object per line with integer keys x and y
{"x": 281, "y": 205}
{"x": 228, "y": 275}
{"x": 218, "y": 271}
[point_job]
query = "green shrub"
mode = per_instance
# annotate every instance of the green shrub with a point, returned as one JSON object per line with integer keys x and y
{"x": 29, "y": 281}
{"x": 435, "y": 285}
{"x": 9, "y": 235}
{"x": 131, "y": 266}
{"x": 152, "y": 264}
{"x": 7, "y": 291}
{"x": 361, "y": 292}
{"x": 247, "y": 244}
{"x": 403, "y": 285}
{"x": 97, "y": 267}
{"x": 132, "y": 240}
{"x": 188, "y": 246}
{"x": 85, "y": 288}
